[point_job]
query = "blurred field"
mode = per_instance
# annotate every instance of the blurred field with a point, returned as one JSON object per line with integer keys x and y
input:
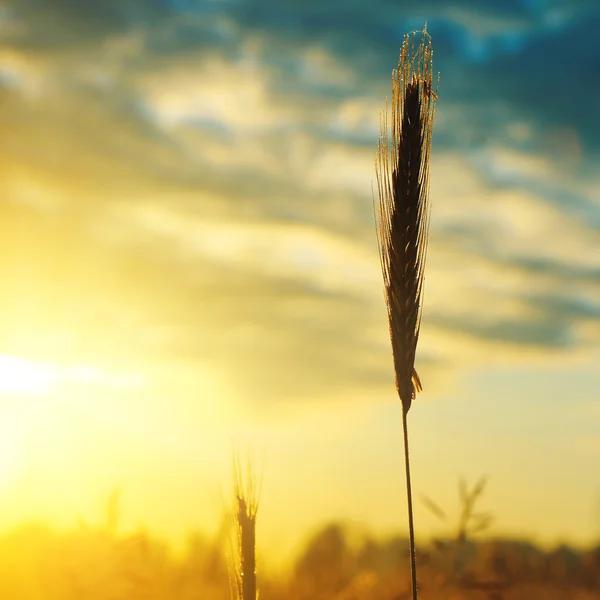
{"x": 337, "y": 562}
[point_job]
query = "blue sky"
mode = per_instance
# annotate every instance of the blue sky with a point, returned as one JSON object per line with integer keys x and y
{"x": 186, "y": 203}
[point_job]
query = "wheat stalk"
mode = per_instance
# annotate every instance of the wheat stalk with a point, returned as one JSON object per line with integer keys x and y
{"x": 402, "y": 217}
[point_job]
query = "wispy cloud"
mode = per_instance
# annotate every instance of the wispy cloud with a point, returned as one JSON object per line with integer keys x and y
{"x": 232, "y": 173}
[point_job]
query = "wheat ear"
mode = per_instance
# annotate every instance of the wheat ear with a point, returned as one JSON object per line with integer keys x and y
{"x": 246, "y": 507}
{"x": 402, "y": 217}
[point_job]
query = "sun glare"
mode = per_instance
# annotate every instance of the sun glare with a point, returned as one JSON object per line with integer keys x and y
{"x": 10, "y": 447}
{"x": 21, "y": 376}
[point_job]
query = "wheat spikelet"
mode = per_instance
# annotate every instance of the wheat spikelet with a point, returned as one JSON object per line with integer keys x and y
{"x": 402, "y": 214}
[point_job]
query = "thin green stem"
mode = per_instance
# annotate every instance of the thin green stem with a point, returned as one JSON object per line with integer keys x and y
{"x": 411, "y": 525}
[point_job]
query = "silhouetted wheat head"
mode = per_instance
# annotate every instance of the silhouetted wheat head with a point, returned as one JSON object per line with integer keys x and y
{"x": 402, "y": 216}
{"x": 402, "y": 213}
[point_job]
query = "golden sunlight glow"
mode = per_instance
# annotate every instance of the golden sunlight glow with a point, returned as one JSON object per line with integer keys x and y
{"x": 10, "y": 453}
{"x": 21, "y": 376}
{"x": 21, "y": 380}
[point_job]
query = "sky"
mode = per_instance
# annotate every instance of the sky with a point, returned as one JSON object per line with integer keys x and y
{"x": 189, "y": 265}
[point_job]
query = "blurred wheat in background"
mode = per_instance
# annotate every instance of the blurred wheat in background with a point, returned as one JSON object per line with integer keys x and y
{"x": 245, "y": 509}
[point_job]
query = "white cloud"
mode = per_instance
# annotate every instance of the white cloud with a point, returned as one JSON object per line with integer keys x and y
{"x": 22, "y": 72}
{"x": 211, "y": 91}
{"x": 307, "y": 254}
